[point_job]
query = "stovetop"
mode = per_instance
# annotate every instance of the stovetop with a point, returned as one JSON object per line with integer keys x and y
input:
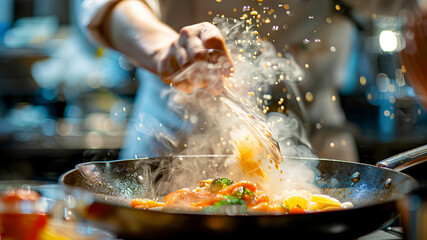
{"x": 385, "y": 234}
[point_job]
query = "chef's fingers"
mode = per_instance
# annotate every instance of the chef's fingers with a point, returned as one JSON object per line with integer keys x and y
{"x": 175, "y": 59}
{"x": 211, "y": 36}
{"x": 189, "y": 40}
{"x": 204, "y": 41}
{"x": 213, "y": 39}
{"x": 196, "y": 51}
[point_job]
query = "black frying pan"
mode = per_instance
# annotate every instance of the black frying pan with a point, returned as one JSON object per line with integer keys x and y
{"x": 103, "y": 191}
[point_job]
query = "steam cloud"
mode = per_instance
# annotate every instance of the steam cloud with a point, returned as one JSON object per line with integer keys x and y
{"x": 257, "y": 68}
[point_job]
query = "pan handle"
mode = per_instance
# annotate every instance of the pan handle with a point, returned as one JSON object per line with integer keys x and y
{"x": 405, "y": 160}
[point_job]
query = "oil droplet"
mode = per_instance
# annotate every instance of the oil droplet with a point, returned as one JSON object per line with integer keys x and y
{"x": 305, "y": 41}
{"x": 334, "y": 98}
{"x": 310, "y": 17}
{"x": 355, "y": 177}
{"x": 329, "y": 20}
{"x": 267, "y": 20}
{"x": 286, "y": 6}
{"x": 246, "y": 8}
{"x": 337, "y": 7}
{"x": 210, "y": 12}
{"x": 387, "y": 183}
{"x": 275, "y": 28}
{"x": 362, "y": 80}
{"x": 124, "y": 109}
{"x": 306, "y": 65}
{"x": 140, "y": 179}
{"x": 332, "y": 145}
{"x": 333, "y": 49}
{"x": 309, "y": 96}
{"x": 218, "y": 0}
{"x": 387, "y": 113}
{"x": 138, "y": 138}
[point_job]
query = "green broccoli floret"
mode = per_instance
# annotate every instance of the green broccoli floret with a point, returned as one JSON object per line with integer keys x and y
{"x": 242, "y": 191}
{"x": 219, "y": 184}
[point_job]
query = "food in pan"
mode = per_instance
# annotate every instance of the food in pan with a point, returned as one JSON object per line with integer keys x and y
{"x": 221, "y": 194}
{"x": 263, "y": 189}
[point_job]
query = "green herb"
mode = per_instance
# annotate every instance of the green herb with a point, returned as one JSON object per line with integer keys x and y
{"x": 227, "y": 202}
{"x": 230, "y": 200}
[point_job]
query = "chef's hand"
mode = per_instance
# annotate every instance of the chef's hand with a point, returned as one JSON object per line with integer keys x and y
{"x": 132, "y": 29}
{"x": 196, "y": 58}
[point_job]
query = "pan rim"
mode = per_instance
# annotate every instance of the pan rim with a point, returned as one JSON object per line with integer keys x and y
{"x": 228, "y": 155}
{"x": 390, "y": 201}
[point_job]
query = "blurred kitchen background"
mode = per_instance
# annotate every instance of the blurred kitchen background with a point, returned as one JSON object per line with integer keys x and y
{"x": 60, "y": 96}
{"x": 64, "y": 101}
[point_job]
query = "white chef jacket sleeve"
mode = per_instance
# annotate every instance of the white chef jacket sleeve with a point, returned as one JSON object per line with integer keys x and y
{"x": 92, "y": 14}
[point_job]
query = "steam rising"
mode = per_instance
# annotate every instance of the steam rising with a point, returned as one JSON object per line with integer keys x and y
{"x": 215, "y": 129}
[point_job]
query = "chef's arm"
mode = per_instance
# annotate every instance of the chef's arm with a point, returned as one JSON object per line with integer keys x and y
{"x": 131, "y": 28}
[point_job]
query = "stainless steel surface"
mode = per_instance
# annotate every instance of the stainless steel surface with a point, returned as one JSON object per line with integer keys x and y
{"x": 406, "y": 159}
